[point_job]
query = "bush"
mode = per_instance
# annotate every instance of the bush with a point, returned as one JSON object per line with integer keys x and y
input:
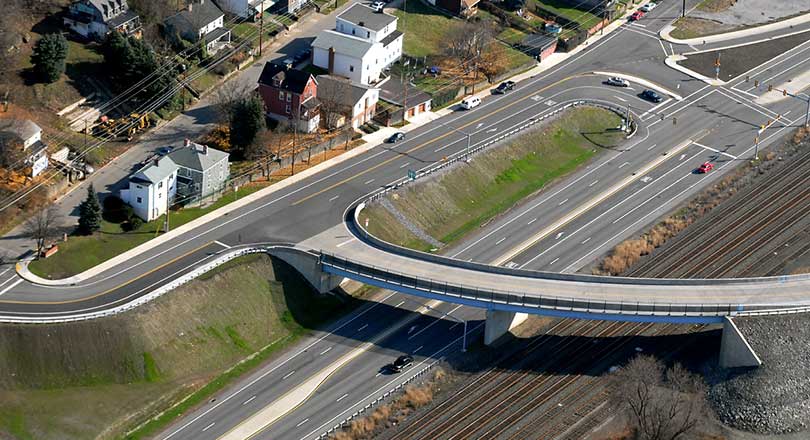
{"x": 133, "y": 223}
{"x": 115, "y": 210}
{"x": 440, "y": 100}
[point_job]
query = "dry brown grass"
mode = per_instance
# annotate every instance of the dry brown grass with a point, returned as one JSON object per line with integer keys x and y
{"x": 800, "y": 135}
{"x": 628, "y": 252}
{"x": 715, "y": 5}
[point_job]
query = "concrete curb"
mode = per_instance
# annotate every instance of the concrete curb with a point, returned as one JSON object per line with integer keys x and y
{"x": 665, "y": 32}
{"x": 643, "y": 82}
{"x": 672, "y": 61}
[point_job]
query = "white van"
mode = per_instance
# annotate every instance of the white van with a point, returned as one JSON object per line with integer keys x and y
{"x": 471, "y": 102}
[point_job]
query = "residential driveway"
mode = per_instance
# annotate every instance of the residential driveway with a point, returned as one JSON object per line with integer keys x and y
{"x": 195, "y": 122}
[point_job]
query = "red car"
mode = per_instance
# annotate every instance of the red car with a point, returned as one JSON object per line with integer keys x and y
{"x": 705, "y": 167}
{"x": 636, "y": 15}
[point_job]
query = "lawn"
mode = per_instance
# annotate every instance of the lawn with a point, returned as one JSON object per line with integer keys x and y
{"x": 97, "y": 379}
{"x": 563, "y": 9}
{"x": 426, "y": 29}
{"x": 244, "y": 31}
{"x": 450, "y": 205}
{"x": 80, "y": 253}
{"x": 205, "y": 81}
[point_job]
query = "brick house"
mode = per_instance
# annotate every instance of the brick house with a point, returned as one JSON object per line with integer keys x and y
{"x": 290, "y": 95}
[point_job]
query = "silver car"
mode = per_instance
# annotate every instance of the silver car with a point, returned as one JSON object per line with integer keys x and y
{"x": 618, "y": 82}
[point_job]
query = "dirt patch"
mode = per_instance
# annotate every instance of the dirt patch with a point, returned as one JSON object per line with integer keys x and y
{"x": 738, "y": 60}
{"x": 715, "y": 5}
{"x": 692, "y": 27}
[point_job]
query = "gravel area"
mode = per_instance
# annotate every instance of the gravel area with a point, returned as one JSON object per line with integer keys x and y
{"x": 409, "y": 225}
{"x": 774, "y": 398}
{"x": 753, "y": 12}
{"x": 738, "y": 60}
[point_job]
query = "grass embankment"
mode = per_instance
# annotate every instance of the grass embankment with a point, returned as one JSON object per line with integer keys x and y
{"x": 82, "y": 252}
{"x": 453, "y": 203}
{"x": 96, "y": 379}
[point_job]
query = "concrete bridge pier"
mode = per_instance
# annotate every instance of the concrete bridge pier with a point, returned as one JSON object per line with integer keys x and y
{"x": 735, "y": 351}
{"x": 499, "y": 323}
{"x": 308, "y": 265}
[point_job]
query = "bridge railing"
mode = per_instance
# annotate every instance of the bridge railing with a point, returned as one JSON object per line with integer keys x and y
{"x": 387, "y": 277}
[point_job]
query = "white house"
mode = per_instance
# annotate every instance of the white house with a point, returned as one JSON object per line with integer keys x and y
{"x": 201, "y": 20}
{"x": 152, "y": 189}
{"x": 96, "y": 18}
{"x": 246, "y": 8}
{"x": 361, "y": 46}
{"x": 355, "y": 102}
{"x": 30, "y": 135}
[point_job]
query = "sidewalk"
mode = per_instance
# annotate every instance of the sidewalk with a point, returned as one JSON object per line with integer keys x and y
{"x": 728, "y": 36}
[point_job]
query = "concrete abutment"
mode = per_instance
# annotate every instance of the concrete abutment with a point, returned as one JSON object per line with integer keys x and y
{"x": 499, "y": 323}
{"x": 735, "y": 351}
{"x": 308, "y": 265}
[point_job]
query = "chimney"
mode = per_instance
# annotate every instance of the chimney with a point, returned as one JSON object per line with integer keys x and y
{"x": 186, "y": 143}
{"x": 331, "y": 67}
{"x": 190, "y": 6}
{"x": 205, "y": 149}
{"x": 157, "y": 161}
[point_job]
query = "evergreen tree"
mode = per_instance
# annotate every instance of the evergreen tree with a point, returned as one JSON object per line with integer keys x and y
{"x": 90, "y": 213}
{"x": 49, "y": 56}
{"x": 132, "y": 60}
{"x": 246, "y": 121}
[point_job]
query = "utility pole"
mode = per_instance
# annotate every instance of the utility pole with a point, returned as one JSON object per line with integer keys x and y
{"x": 261, "y": 27}
{"x": 475, "y": 66}
{"x": 683, "y": 10}
{"x": 717, "y": 67}
{"x": 166, "y": 226}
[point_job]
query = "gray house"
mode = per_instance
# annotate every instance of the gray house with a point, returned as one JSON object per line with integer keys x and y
{"x": 201, "y": 171}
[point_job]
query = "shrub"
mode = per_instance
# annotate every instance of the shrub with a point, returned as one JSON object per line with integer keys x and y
{"x": 133, "y": 223}
{"x": 115, "y": 210}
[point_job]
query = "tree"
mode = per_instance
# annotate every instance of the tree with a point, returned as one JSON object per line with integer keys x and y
{"x": 333, "y": 93}
{"x": 90, "y": 213}
{"x": 228, "y": 95}
{"x": 246, "y": 121}
{"x": 42, "y": 227}
{"x": 661, "y": 404}
{"x": 11, "y": 150}
{"x": 49, "y": 56}
{"x": 468, "y": 41}
{"x": 130, "y": 60}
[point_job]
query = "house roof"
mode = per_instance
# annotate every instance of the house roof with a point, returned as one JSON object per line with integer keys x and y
{"x": 362, "y": 15}
{"x": 391, "y": 37}
{"x": 24, "y": 128}
{"x": 538, "y": 41}
{"x": 341, "y": 90}
{"x": 108, "y": 6}
{"x": 343, "y": 44}
{"x": 155, "y": 171}
{"x": 216, "y": 34}
{"x": 198, "y": 14}
{"x": 293, "y": 80}
{"x": 127, "y": 16}
{"x": 197, "y": 157}
{"x": 393, "y": 91}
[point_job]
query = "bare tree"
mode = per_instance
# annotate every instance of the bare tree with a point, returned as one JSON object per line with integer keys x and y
{"x": 661, "y": 404}
{"x": 261, "y": 150}
{"x": 468, "y": 41}
{"x": 334, "y": 93}
{"x": 41, "y": 227}
{"x": 227, "y": 96}
{"x": 11, "y": 151}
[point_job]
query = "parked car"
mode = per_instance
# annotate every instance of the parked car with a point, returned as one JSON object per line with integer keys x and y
{"x": 637, "y": 15}
{"x": 553, "y": 28}
{"x": 618, "y": 82}
{"x": 434, "y": 70}
{"x": 648, "y": 7}
{"x": 302, "y": 55}
{"x": 401, "y": 363}
{"x": 705, "y": 167}
{"x": 650, "y": 95}
{"x": 378, "y": 6}
{"x": 504, "y": 87}
{"x": 396, "y": 137}
{"x": 470, "y": 103}
{"x": 164, "y": 150}
{"x": 288, "y": 61}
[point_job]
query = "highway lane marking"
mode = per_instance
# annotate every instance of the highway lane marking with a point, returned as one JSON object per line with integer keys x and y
{"x": 435, "y": 139}
{"x": 553, "y": 261}
{"x": 363, "y": 327}
{"x": 586, "y": 240}
{"x": 368, "y": 182}
{"x": 281, "y": 364}
{"x": 342, "y": 397}
{"x": 222, "y": 244}
{"x": 302, "y": 422}
{"x": 4, "y": 272}
{"x": 624, "y": 165}
{"x": 345, "y": 242}
{"x": 652, "y": 110}
{"x": 643, "y": 218}
{"x": 441, "y": 148}
{"x": 532, "y": 221}
{"x": 11, "y": 286}
{"x": 562, "y": 203}
{"x": 9, "y": 279}
{"x": 715, "y": 150}
{"x": 593, "y": 183}
{"x": 325, "y": 351}
{"x": 435, "y": 321}
{"x": 209, "y": 426}
{"x": 288, "y": 375}
{"x": 672, "y": 48}
{"x": 745, "y": 92}
{"x": 334, "y": 198}
{"x": 295, "y": 397}
{"x": 400, "y": 303}
{"x": 651, "y": 147}
{"x": 500, "y": 241}
{"x": 620, "y": 99}
{"x": 663, "y": 48}
{"x": 418, "y": 348}
{"x": 248, "y": 401}
{"x": 404, "y": 165}
{"x": 764, "y": 111}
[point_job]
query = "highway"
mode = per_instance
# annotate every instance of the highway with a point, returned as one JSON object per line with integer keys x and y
{"x": 709, "y": 118}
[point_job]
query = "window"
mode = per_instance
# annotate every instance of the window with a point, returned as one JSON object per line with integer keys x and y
{"x": 351, "y": 68}
{"x": 352, "y": 31}
{"x": 280, "y": 95}
{"x": 289, "y": 97}
{"x": 287, "y": 108}
{"x": 139, "y": 200}
{"x": 160, "y": 185}
{"x": 368, "y": 34}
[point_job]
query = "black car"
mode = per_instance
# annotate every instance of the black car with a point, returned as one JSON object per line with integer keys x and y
{"x": 396, "y": 137}
{"x": 401, "y": 363}
{"x": 505, "y": 87}
{"x": 302, "y": 55}
{"x": 650, "y": 95}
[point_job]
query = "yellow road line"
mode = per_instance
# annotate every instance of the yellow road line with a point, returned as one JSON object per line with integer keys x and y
{"x": 113, "y": 288}
{"x": 428, "y": 142}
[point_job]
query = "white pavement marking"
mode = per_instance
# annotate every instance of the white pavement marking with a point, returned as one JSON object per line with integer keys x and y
{"x": 404, "y": 165}
{"x": 651, "y": 147}
{"x": 249, "y": 400}
{"x": 208, "y": 427}
{"x": 745, "y": 92}
{"x": 553, "y": 261}
{"x": 638, "y": 24}
{"x": 532, "y": 221}
{"x": 593, "y": 183}
{"x": 620, "y": 98}
{"x": 400, "y": 303}
{"x": 4, "y": 272}
{"x": 671, "y": 48}
{"x": 652, "y": 110}
{"x": 418, "y": 348}
{"x": 362, "y": 327}
{"x": 435, "y": 321}
{"x": 663, "y": 48}
{"x": 302, "y": 422}
{"x": 500, "y": 241}
{"x": 715, "y": 150}
{"x": 559, "y": 235}
{"x": 345, "y": 242}
{"x": 325, "y": 351}
{"x": 624, "y": 165}
{"x": 222, "y": 244}
{"x": 562, "y": 203}
{"x": 11, "y": 286}
{"x": 288, "y": 375}
{"x": 367, "y": 182}
{"x": 334, "y": 198}
{"x": 586, "y": 240}
{"x": 441, "y": 148}
{"x": 342, "y": 397}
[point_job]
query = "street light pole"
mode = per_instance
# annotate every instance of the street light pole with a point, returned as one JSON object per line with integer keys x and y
{"x": 467, "y": 153}
{"x": 683, "y": 10}
{"x": 464, "y": 340}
